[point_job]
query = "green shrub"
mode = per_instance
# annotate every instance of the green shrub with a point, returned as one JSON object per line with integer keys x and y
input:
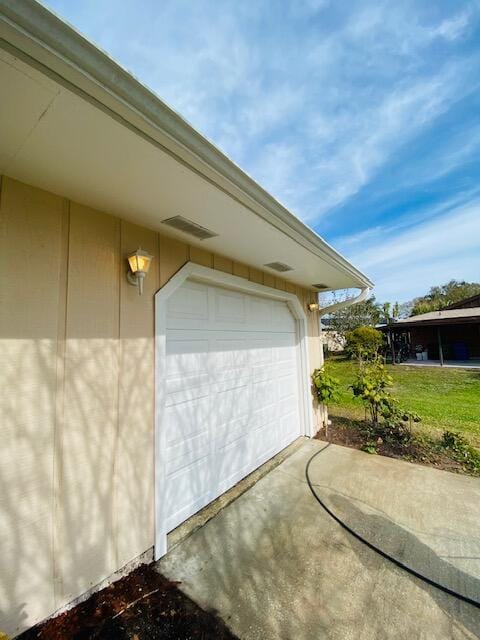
{"x": 387, "y": 419}
{"x": 462, "y": 451}
{"x": 363, "y": 343}
{"x": 370, "y": 447}
{"x": 371, "y": 386}
{"x": 325, "y": 385}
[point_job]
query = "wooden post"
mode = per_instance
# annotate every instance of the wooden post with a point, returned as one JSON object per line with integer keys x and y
{"x": 440, "y": 350}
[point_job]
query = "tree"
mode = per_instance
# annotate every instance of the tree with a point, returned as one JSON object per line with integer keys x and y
{"x": 386, "y": 311}
{"x": 362, "y": 314}
{"x": 363, "y": 343}
{"x": 441, "y": 296}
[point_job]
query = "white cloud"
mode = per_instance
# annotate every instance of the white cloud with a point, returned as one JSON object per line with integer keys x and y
{"x": 408, "y": 263}
{"x": 452, "y": 28}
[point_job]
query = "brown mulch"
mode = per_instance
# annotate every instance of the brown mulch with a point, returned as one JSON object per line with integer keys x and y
{"x": 143, "y": 605}
{"x": 348, "y": 433}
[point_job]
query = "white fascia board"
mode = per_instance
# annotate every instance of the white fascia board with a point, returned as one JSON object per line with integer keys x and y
{"x": 33, "y": 32}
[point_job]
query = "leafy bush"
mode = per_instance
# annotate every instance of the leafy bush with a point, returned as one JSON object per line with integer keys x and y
{"x": 462, "y": 450}
{"x": 371, "y": 386}
{"x": 388, "y": 420}
{"x": 370, "y": 447}
{"x": 363, "y": 343}
{"x": 325, "y": 385}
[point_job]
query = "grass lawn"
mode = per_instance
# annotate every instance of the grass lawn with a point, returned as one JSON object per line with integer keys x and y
{"x": 444, "y": 398}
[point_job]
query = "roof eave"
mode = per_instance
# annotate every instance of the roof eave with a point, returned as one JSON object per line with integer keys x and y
{"x": 59, "y": 50}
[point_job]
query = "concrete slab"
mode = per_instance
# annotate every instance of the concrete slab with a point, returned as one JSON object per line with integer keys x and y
{"x": 276, "y": 566}
{"x": 452, "y": 364}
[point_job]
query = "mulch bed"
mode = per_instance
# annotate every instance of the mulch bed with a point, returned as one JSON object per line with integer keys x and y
{"x": 348, "y": 433}
{"x": 143, "y": 605}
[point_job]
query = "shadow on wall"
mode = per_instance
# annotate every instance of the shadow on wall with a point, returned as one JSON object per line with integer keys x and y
{"x": 77, "y": 399}
{"x": 72, "y": 464}
{"x": 76, "y": 379}
{"x": 69, "y": 482}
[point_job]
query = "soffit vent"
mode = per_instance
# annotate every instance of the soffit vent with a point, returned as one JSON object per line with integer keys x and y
{"x": 279, "y": 266}
{"x": 191, "y": 228}
{"x": 320, "y": 286}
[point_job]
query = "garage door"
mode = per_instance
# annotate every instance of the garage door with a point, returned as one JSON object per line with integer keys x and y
{"x": 232, "y": 399}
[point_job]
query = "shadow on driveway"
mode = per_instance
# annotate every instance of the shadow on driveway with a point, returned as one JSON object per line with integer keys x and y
{"x": 275, "y": 565}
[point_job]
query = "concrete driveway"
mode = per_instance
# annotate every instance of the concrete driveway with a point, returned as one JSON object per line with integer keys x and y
{"x": 274, "y": 565}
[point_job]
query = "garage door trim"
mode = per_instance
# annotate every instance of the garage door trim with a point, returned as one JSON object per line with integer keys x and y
{"x": 199, "y": 273}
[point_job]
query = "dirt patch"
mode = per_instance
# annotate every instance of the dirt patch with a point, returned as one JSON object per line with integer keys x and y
{"x": 351, "y": 433}
{"x": 143, "y": 605}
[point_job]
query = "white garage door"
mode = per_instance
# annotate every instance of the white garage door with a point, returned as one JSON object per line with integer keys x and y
{"x": 232, "y": 399}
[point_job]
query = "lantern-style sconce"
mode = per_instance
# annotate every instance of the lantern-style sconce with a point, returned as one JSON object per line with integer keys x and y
{"x": 139, "y": 263}
{"x": 312, "y": 306}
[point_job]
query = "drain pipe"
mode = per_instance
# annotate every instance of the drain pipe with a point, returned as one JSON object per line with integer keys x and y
{"x": 344, "y": 303}
{"x": 330, "y": 309}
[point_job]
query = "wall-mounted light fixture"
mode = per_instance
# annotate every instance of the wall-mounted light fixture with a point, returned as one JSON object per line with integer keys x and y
{"x": 139, "y": 263}
{"x": 312, "y": 306}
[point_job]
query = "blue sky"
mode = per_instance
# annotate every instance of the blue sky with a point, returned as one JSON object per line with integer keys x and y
{"x": 361, "y": 117}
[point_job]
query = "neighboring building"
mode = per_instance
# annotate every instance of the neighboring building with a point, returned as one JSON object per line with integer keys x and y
{"x": 452, "y": 334}
{"x": 121, "y": 414}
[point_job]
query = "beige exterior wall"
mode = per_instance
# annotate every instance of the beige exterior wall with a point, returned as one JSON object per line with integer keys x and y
{"x": 77, "y": 401}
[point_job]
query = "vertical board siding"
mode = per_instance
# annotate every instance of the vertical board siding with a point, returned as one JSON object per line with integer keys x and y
{"x": 255, "y": 275}
{"x": 269, "y": 280}
{"x": 86, "y": 546}
{"x": 30, "y": 262}
{"x": 173, "y": 255}
{"x": 222, "y": 264}
{"x": 240, "y": 270}
{"x": 77, "y": 412}
{"x": 291, "y": 288}
{"x": 200, "y": 256}
{"x": 134, "y": 486}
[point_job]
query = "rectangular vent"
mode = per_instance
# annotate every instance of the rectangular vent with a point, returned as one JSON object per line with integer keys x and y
{"x": 187, "y": 226}
{"x": 279, "y": 266}
{"x": 320, "y": 286}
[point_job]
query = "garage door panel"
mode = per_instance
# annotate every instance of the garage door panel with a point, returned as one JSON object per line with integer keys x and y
{"x": 230, "y": 308}
{"x": 189, "y": 302}
{"x": 261, "y": 417}
{"x": 285, "y": 354}
{"x": 188, "y": 389}
{"x": 285, "y": 408}
{"x": 282, "y": 319}
{"x": 187, "y": 491}
{"x": 231, "y": 406}
{"x": 230, "y": 432}
{"x": 261, "y": 351}
{"x": 231, "y": 392}
{"x": 264, "y": 392}
{"x": 187, "y": 419}
{"x": 187, "y": 359}
{"x": 183, "y": 454}
{"x": 234, "y": 462}
{"x": 286, "y": 386}
{"x": 266, "y": 443}
{"x": 228, "y": 356}
{"x": 260, "y": 313}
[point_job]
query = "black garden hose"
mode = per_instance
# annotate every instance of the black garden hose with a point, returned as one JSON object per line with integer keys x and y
{"x": 380, "y": 552}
